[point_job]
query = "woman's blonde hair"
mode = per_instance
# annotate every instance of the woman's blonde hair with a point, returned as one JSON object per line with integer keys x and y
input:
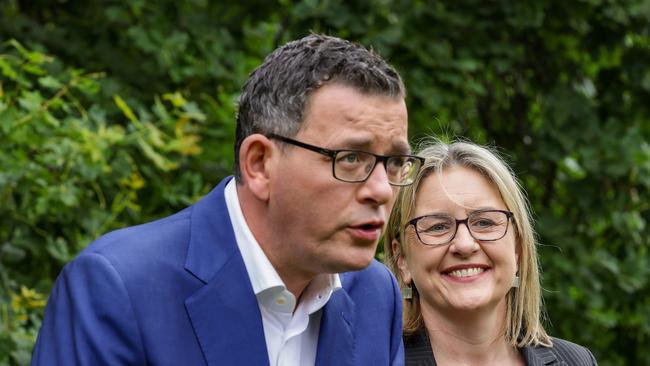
{"x": 524, "y": 304}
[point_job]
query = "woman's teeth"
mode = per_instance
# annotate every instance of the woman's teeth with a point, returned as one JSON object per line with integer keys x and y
{"x": 467, "y": 272}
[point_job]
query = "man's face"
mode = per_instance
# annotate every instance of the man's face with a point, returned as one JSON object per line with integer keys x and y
{"x": 325, "y": 225}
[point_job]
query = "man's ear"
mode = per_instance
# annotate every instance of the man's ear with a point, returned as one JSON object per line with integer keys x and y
{"x": 401, "y": 262}
{"x": 256, "y": 163}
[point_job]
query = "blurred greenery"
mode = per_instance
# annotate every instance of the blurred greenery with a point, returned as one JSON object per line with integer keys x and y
{"x": 115, "y": 113}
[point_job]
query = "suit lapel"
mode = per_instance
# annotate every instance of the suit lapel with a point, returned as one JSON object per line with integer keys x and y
{"x": 417, "y": 350}
{"x": 224, "y": 313}
{"x": 227, "y": 321}
{"x": 336, "y": 343}
{"x": 541, "y": 356}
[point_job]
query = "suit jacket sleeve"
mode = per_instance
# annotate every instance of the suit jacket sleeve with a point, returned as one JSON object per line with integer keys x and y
{"x": 89, "y": 319}
{"x": 397, "y": 345}
{"x": 573, "y": 354}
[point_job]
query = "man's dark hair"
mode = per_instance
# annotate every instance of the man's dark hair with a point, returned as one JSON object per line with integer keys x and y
{"x": 273, "y": 99}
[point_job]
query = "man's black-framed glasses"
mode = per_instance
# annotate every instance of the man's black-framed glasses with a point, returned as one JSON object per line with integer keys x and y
{"x": 354, "y": 166}
{"x": 441, "y": 229}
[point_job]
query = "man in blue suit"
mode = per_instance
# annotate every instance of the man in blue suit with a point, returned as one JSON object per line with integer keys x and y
{"x": 275, "y": 266}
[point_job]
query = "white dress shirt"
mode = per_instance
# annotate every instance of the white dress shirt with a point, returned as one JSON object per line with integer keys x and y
{"x": 291, "y": 332}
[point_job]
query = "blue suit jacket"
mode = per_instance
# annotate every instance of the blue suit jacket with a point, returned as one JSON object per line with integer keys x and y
{"x": 176, "y": 292}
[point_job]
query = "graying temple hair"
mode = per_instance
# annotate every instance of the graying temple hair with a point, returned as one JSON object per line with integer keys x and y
{"x": 274, "y": 98}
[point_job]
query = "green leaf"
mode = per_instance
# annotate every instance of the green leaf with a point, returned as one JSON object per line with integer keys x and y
{"x": 50, "y": 82}
{"x": 126, "y": 110}
{"x": 31, "y": 101}
{"x": 573, "y": 168}
{"x": 159, "y": 160}
{"x": 58, "y": 249}
{"x": 7, "y": 70}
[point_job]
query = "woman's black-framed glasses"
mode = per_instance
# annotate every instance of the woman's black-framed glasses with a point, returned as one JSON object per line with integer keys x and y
{"x": 441, "y": 229}
{"x": 354, "y": 166}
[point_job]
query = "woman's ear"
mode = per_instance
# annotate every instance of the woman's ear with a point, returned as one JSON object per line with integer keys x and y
{"x": 256, "y": 164}
{"x": 398, "y": 254}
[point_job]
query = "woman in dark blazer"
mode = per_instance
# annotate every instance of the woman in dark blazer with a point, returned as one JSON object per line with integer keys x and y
{"x": 460, "y": 241}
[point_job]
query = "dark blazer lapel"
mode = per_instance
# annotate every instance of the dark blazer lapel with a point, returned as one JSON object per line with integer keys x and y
{"x": 224, "y": 313}
{"x": 417, "y": 350}
{"x": 541, "y": 356}
{"x": 336, "y": 345}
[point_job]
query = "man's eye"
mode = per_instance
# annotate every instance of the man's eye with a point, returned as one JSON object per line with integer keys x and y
{"x": 349, "y": 158}
{"x": 395, "y": 162}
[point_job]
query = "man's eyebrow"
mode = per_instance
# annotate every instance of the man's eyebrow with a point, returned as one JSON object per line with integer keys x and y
{"x": 356, "y": 143}
{"x": 365, "y": 144}
{"x": 401, "y": 148}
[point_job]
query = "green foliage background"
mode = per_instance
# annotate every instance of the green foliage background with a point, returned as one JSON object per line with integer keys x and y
{"x": 115, "y": 113}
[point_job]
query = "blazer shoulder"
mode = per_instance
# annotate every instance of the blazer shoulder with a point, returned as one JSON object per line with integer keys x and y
{"x": 147, "y": 234}
{"x": 137, "y": 252}
{"x": 375, "y": 279}
{"x": 571, "y": 353}
{"x": 376, "y": 273}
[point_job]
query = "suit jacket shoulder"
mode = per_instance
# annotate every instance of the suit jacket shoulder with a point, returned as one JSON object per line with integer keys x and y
{"x": 170, "y": 292}
{"x": 417, "y": 349}
{"x": 563, "y": 352}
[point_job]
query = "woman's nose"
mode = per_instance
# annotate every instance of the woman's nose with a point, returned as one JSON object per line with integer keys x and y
{"x": 463, "y": 243}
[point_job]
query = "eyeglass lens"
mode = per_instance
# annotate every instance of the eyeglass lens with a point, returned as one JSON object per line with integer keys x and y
{"x": 482, "y": 225}
{"x": 356, "y": 166}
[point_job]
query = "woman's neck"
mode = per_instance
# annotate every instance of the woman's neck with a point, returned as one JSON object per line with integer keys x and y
{"x": 475, "y": 337}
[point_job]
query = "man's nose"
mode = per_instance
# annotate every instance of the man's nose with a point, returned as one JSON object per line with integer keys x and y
{"x": 377, "y": 187}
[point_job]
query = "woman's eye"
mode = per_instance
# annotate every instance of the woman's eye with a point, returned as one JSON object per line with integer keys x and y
{"x": 483, "y": 223}
{"x": 438, "y": 228}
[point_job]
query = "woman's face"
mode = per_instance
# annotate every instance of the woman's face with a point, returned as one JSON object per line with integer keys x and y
{"x": 465, "y": 274}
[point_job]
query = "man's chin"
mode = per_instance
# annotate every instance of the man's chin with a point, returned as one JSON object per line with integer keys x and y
{"x": 356, "y": 263}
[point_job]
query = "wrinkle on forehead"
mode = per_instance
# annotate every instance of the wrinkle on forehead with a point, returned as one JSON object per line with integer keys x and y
{"x": 365, "y": 140}
{"x": 359, "y": 121}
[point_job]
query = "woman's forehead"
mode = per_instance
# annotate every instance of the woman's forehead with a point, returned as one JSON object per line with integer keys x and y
{"x": 456, "y": 189}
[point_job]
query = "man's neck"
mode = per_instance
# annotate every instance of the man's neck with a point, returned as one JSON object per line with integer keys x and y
{"x": 295, "y": 281}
